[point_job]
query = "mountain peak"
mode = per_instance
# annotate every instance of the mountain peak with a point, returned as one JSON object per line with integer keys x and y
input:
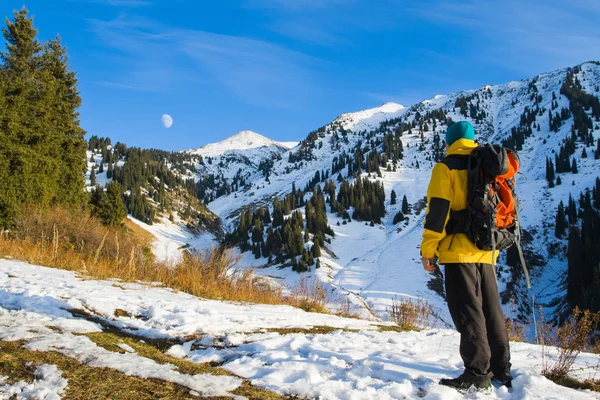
{"x": 372, "y": 117}
{"x": 243, "y": 140}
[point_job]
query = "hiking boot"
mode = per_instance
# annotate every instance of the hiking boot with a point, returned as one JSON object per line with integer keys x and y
{"x": 467, "y": 383}
{"x": 504, "y": 379}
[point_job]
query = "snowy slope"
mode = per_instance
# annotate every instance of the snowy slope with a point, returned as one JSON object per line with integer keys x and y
{"x": 355, "y": 362}
{"x": 371, "y": 265}
{"x": 243, "y": 151}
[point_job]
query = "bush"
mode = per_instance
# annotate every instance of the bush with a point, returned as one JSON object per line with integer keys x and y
{"x": 399, "y": 217}
{"x": 515, "y": 328}
{"x": 409, "y": 315}
{"x": 570, "y": 339}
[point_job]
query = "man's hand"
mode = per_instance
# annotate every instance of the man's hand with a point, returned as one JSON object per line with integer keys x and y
{"x": 428, "y": 264}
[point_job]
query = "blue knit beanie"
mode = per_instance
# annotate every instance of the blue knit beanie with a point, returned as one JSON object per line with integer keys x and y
{"x": 459, "y": 130}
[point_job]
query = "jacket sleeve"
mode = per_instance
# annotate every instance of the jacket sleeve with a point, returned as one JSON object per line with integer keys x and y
{"x": 439, "y": 201}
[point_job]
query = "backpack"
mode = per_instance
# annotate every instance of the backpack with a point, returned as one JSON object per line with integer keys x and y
{"x": 491, "y": 219}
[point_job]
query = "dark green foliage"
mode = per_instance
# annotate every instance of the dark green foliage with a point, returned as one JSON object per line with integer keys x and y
{"x": 399, "y": 217}
{"x": 579, "y": 102}
{"x": 108, "y": 206}
{"x": 42, "y": 151}
{"x": 549, "y": 172}
{"x": 561, "y": 222}
{"x": 137, "y": 205}
{"x": 583, "y": 279}
{"x": 393, "y": 198}
{"x": 365, "y": 196}
{"x": 147, "y": 169}
{"x": 405, "y": 206}
{"x": 285, "y": 237}
{"x": 93, "y": 177}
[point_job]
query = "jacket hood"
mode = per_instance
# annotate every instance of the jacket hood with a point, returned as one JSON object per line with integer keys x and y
{"x": 462, "y": 147}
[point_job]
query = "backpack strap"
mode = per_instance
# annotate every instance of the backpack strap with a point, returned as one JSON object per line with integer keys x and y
{"x": 456, "y": 161}
{"x": 459, "y": 220}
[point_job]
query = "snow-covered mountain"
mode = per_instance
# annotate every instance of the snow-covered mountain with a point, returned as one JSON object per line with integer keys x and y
{"x": 241, "y": 141}
{"x": 372, "y": 265}
{"x": 240, "y": 154}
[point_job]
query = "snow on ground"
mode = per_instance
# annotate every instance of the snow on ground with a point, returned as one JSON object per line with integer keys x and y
{"x": 172, "y": 238}
{"x": 359, "y": 364}
{"x": 48, "y": 385}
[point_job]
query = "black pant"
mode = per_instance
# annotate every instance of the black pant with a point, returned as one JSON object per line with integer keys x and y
{"x": 473, "y": 301}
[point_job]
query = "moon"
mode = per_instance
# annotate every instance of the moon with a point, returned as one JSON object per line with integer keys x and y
{"x": 167, "y": 120}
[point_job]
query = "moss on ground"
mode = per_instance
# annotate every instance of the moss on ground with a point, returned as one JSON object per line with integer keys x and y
{"x": 85, "y": 382}
{"x": 319, "y": 329}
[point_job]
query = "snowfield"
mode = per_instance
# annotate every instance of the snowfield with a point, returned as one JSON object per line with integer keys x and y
{"x": 355, "y": 362}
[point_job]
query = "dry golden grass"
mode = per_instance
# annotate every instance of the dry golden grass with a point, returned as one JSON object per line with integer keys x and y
{"x": 571, "y": 338}
{"x": 310, "y": 295}
{"x": 77, "y": 242}
{"x": 85, "y": 382}
{"x": 515, "y": 328}
{"x": 410, "y": 315}
{"x": 138, "y": 231}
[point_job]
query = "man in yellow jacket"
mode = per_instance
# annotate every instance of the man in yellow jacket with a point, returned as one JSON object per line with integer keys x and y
{"x": 470, "y": 276}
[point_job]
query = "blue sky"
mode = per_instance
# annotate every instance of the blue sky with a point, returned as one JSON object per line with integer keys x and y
{"x": 285, "y": 67}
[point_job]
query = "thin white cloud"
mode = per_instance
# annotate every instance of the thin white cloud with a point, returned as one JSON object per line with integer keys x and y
{"x": 122, "y": 3}
{"x": 526, "y": 36}
{"x": 298, "y": 5}
{"x": 159, "y": 57}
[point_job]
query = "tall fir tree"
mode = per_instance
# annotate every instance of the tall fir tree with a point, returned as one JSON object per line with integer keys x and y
{"x": 561, "y": 222}
{"x": 42, "y": 151}
{"x": 109, "y": 206}
{"x": 405, "y": 205}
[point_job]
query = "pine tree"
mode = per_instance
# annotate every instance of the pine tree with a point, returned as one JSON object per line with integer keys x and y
{"x": 572, "y": 211}
{"x": 111, "y": 210}
{"x": 405, "y": 205}
{"x": 574, "y": 166}
{"x": 93, "y": 177}
{"x": 393, "y": 198}
{"x": 561, "y": 221}
{"x": 316, "y": 249}
{"x": 37, "y": 163}
{"x": 67, "y": 101}
{"x": 549, "y": 172}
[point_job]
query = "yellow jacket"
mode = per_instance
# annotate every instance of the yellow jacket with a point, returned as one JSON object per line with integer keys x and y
{"x": 448, "y": 191}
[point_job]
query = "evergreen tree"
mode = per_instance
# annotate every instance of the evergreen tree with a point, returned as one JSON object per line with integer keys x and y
{"x": 111, "y": 210}
{"x": 549, "y": 172}
{"x": 316, "y": 249}
{"x": 561, "y": 223}
{"x": 405, "y": 205}
{"x": 393, "y": 198}
{"x": 42, "y": 151}
{"x": 574, "y": 166}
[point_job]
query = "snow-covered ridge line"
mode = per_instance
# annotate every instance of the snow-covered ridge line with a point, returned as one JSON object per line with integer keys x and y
{"x": 243, "y": 140}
